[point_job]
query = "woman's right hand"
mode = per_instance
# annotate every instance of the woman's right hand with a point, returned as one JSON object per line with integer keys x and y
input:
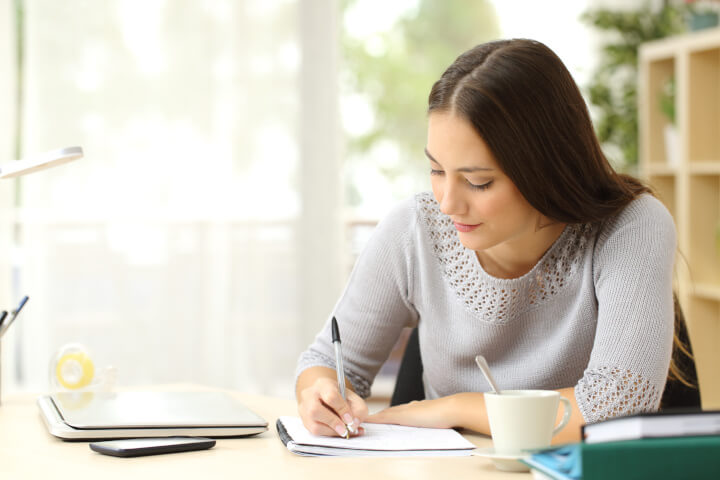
{"x": 323, "y": 410}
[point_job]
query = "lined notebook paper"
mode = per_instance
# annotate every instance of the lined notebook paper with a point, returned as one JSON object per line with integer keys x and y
{"x": 379, "y": 440}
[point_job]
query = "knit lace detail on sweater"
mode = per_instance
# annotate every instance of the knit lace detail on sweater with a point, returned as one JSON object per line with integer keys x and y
{"x": 497, "y": 300}
{"x": 608, "y": 392}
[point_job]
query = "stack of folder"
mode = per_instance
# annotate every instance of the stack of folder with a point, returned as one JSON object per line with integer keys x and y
{"x": 659, "y": 445}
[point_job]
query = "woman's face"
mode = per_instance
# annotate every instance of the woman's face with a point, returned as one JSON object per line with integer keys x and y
{"x": 486, "y": 207}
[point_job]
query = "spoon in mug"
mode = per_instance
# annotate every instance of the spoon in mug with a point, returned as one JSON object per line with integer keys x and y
{"x": 482, "y": 363}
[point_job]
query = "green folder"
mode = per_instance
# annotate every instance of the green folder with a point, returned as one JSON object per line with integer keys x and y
{"x": 695, "y": 458}
{"x": 676, "y": 457}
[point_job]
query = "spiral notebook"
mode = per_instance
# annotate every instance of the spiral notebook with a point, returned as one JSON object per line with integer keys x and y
{"x": 379, "y": 440}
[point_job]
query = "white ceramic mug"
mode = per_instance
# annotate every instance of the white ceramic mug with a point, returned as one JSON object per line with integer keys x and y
{"x": 524, "y": 419}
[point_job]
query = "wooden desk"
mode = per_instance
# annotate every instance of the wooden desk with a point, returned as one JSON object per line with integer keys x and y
{"x": 28, "y": 451}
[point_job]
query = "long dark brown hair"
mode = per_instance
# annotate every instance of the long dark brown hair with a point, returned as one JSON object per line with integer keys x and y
{"x": 524, "y": 103}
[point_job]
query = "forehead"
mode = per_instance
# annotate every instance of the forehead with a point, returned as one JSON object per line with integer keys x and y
{"x": 453, "y": 140}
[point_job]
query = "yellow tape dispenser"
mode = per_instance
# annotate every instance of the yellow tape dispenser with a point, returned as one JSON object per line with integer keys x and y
{"x": 72, "y": 369}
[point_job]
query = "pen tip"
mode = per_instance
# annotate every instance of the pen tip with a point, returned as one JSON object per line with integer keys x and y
{"x": 335, "y": 331}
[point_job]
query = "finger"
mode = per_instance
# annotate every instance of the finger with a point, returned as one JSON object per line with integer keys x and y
{"x": 320, "y": 413}
{"x": 314, "y": 412}
{"x": 320, "y": 429}
{"x": 334, "y": 401}
{"x": 358, "y": 407}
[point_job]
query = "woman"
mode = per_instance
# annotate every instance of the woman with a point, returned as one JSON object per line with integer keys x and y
{"x": 531, "y": 251}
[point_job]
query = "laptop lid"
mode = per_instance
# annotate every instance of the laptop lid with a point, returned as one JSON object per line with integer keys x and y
{"x": 153, "y": 410}
{"x": 87, "y": 415}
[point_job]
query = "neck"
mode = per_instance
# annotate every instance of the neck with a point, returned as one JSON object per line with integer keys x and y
{"x": 515, "y": 258}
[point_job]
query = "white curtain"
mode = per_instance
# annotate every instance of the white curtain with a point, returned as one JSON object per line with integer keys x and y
{"x": 199, "y": 240}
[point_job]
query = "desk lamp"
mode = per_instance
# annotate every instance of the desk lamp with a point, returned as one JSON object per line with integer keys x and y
{"x": 35, "y": 164}
{"x": 40, "y": 162}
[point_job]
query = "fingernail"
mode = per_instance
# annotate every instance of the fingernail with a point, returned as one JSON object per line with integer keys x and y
{"x": 357, "y": 422}
{"x": 349, "y": 422}
{"x": 341, "y": 430}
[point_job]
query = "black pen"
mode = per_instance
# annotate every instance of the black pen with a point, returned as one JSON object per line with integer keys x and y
{"x": 14, "y": 315}
{"x": 2, "y": 317}
{"x": 340, "y": 370}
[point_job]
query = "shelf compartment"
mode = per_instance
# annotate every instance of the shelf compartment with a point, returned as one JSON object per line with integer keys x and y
{"x": 703, "y": 320}
{"x": 659, "y": 72}
{"x": 664, "y": 188}
{"x": 704, "y": 209}
{"x": 704, "y": 105}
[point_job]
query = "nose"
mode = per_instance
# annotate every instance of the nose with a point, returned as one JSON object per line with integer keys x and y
{"x": 453, "y": 201}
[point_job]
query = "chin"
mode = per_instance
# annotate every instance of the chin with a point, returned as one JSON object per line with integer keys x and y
{"x": 471, "y": 242}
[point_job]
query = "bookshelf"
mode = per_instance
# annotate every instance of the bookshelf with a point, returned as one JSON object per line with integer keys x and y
{"x": 690, "y": 185}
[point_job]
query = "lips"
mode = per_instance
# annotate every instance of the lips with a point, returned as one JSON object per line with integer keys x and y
{"x": 463, "y": 227}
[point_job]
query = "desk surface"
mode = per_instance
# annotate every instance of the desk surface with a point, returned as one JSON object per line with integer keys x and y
{"x": 27, "y": 450}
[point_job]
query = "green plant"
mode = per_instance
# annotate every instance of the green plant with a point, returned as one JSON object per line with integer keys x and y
{"x": 613, "y": 89}
{"x": 396, "y": 78}
{"x": 667, "y": 100}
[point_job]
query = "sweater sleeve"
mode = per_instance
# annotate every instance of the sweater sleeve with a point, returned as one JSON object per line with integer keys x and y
{"x": 632, "y": 271}
{"x": 375, "y": 305}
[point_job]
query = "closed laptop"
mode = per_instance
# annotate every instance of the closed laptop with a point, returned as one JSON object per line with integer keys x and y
{"x": 93, "y": 415}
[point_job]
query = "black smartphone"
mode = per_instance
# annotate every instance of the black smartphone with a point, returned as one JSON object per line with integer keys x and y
{"x": 135, "y": 447}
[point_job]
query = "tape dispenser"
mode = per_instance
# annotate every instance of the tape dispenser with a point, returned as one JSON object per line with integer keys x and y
{"x": 72, "y": 369}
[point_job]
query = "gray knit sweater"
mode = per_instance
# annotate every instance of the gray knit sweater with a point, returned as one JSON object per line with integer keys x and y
{"x": 596, "y": 312}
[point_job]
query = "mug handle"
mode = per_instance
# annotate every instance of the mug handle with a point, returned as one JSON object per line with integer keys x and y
{"x": 566, "y": 415}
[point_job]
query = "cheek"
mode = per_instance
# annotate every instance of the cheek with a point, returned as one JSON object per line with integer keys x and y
{"x": 502, "y": 203}
{"x": 490, "y": 204}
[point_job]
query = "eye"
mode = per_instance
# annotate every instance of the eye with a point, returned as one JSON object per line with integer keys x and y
{"x": 484, "y": 186}
{"x": 436, "y": 172}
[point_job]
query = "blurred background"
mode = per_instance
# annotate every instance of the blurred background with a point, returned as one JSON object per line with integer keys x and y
{"x": 237, "y": 155}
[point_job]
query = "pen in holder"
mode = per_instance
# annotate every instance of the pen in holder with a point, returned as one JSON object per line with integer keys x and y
{"x": 5, "y": 322}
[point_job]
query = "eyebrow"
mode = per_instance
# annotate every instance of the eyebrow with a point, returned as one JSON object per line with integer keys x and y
{"x": 461, "y": 169}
